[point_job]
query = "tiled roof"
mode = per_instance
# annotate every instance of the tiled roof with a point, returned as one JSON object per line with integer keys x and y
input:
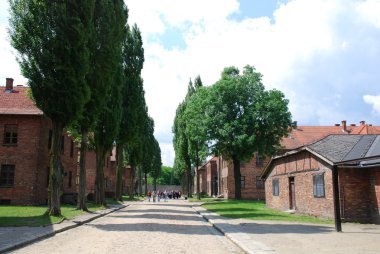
{"x": 340, "y": 148}
{"x": 17, "y": 102}
{"x": 304, "y": 135}
{"x": 366, "y": 129}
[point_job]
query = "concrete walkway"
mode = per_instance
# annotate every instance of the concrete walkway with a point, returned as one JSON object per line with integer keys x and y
{"x": 12, "y": 238}
{"x": 175, "y": 227}
{"x": 287, "y": 237}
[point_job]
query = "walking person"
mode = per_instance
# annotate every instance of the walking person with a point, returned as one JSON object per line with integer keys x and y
{"x": 165, "y": 196}
{"x": 154, "y": 196}
{"x": 158, "y": 195}
{"x": 149, "y": 195}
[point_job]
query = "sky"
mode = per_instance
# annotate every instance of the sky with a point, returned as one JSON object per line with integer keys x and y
{"x": 323, "y": 54}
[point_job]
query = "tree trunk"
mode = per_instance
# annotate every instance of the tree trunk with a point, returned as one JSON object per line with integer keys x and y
{"x": 146, "y": 183}
{"x": 189, "y": 180}
{"x": 132, "y": 183}
{"x": 55, "y": 175}
{"x": 140, "y": 180}
{"x": 237, "y": 177}
{"x": 155, "y": 184}
{"x": 119, "y": 172}
{"x": 198, "y": 177}
{"x": 82, "y": 173}
{"x": 99, "y": 178}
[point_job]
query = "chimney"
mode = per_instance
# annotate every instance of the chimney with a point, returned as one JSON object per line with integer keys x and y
{"x": 337, "y": 124}
{"x": 9, "y": 84}
{"x": 344, "y": 125}
{"x": 353, "y": 124}
{"x": 362, "y": 122}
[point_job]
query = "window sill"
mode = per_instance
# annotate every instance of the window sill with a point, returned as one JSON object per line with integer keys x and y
{"x": 10, "y": 145}
{"x": 6, "y": 186}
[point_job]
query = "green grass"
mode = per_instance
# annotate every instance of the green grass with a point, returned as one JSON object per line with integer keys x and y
{"x": 256, "y": 210}
{"x": 206, "y": 200}
{"x": 35, "y": 215}
{"x": 136, "y": 198}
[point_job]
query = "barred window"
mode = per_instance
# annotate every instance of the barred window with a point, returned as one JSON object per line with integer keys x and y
{"x": 319, "y": 186}
{"x": 242, "y": 182}
{"x": 7, "y": 175}
{"x": 10, "y": 134}
{"x": 259, "y": 160}
{"x": 259, "y": 183}
{"x": 275, "y": 186}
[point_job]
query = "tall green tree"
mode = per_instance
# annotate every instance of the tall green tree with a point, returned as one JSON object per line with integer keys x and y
{"x": 133, "y": 101}
{"x": 196, "y": 131}
{"x": 107, "y": 35}
{"x": 243, "y": 118}
{"x": 156, "y": 164}
{"x": 51, "y": 38}
{"x": 182, "y": 160}
{"x": 148, "y": 145}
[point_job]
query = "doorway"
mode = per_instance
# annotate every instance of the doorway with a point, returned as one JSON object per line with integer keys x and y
{"x": 292, "y": 194}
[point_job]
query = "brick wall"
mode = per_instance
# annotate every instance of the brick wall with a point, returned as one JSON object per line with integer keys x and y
{"x": 359, "y": 189}
{"x": 301, "y": 167}
{"x": 31, "y": 159}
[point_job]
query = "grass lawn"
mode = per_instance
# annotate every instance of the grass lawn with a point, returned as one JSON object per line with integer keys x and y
{"x": 195, "y": 199}
{"x": 35, "y": 215}
{"x": 256, "y": 210}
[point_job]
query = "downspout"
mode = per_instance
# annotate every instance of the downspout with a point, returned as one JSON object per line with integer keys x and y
{"x": 337, "y": 218}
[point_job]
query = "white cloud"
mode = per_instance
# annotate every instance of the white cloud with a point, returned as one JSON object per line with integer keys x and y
{"x": 323, "y": 54}
{"x": 374, "y": 101}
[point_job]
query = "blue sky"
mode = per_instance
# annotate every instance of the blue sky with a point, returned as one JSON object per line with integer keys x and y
{"x": 324, "y": 55}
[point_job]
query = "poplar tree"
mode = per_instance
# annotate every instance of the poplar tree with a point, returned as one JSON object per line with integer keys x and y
{"x": 156, "y": 164}
{"x": 133, "y": 60}
{"x": 107, "y": 35}
{"x": 51, "y": 38}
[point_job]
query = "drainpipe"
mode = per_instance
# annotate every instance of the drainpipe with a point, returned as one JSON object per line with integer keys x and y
{"x": 338, "y": 222}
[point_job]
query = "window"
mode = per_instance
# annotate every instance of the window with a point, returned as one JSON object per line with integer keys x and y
{"x": 242, "y": 182}
{"x": 7, "y": 175}
{"x": 259, "y": 160}
{"x": 319, "y": 186}
{"x": 70, "y": 178}
{"x": 259, "y": 183}
{"x": 275, "y": 186}
{"x": 10, "y": 134}
{"x": 72, "y": 149}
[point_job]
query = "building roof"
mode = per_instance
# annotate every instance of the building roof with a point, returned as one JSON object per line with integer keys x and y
{"x": 304, "y": 135}
{"x": 16, "y": 102}
{"x": 366, "y": 129}
{"x": 348, "y": 150}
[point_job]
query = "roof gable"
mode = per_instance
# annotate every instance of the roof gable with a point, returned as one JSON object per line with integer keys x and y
{"x": 16, "y": 102}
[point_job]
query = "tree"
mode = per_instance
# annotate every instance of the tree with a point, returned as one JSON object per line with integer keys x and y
{"x": 182, "y": 160}
{"x": 243, "y": 118}
{"x": 156, "y": 164}
{"x": 133, "y": 101}
{"x": 148, "y": 145}
{"x": 196, "y": 132}
{"x": 108, "y": 32}
{"x": 51, "y": 38}
{"x": 166, "y": 177}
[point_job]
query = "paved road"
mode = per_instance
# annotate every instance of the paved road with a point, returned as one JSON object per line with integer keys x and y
{"x": 172, "y": 227}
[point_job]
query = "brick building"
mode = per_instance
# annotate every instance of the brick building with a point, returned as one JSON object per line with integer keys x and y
{"x": 302, "y": 179}
{"x": 252, "y": 185}
{"x": 25, "y": 140}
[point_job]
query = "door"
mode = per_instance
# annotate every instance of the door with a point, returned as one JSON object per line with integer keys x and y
{"x": 292, "y": 194}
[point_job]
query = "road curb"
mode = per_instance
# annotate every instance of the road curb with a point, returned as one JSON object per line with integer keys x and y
{"x": 60, "y": 230}
{"x": 257, "y": 247}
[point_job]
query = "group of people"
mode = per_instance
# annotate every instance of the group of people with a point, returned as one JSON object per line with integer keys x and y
{"x": 163, "y": 195}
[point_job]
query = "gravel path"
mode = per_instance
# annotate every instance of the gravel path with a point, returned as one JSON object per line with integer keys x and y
{"x": 172, "y": 227}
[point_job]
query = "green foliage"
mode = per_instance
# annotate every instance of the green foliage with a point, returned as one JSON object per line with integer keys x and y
{"x": 256, "y": 210}
{"x": 156, "y": 161}
{"x": 51, "y": 38}
{"x": 166, "y": 177}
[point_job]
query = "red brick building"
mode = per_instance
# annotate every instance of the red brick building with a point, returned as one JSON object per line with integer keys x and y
{"x": 252, "y": 185}
{"x": 302, "y": 179}
{"x": 25, "y": 139}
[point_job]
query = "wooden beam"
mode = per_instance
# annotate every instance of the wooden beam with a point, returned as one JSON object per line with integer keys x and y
{"x": 338, "y": 221}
